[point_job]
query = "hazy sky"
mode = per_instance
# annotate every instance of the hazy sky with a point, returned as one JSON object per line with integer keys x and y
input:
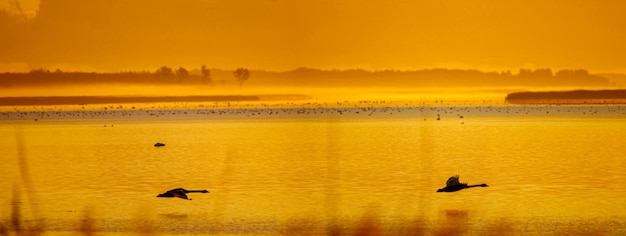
{"x": 113, "y": 35}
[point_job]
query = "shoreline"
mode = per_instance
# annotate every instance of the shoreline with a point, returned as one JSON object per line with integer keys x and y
{"x": 94, "y": 100}
{"x": 575, "y": 97}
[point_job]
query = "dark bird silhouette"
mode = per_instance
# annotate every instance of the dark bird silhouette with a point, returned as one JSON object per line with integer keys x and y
{"x": 159, "y": 144}
{"x": 453, "y": 185}
{"x": 180, "y": 193}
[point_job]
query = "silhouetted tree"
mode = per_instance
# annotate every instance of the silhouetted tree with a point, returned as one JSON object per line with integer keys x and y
{"x": 165, "y": 71}
{"x": 39, "y": 71}
{"x": 525, "y": 73}
{"x": 545, "y": 73}
{"x": 206, "y": 74}
{"x": 242, "y": 75}
{"x": 572, "y": 73}
{"x": 182, "y": 74}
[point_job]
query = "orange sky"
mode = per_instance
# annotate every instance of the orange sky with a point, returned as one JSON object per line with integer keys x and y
{"x": 113, "y": 35}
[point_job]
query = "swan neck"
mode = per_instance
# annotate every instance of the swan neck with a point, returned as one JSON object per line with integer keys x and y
{"x": 476, "y": 185}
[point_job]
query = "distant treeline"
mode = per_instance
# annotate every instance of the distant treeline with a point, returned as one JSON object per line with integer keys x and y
{"x": 617, "y": 96}
{"x": 431, "y": 78}
{"x": 163, "y": 75}
{"x": 81, "y": 100}
{"x": 307, "y": 77}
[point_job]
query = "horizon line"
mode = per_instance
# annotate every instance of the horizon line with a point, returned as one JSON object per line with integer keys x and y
{"x": 198, "y": 68}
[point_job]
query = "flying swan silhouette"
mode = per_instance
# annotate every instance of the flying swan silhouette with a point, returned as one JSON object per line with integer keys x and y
{"x": 180, "y": 193}
{"x": 453, "y": 185}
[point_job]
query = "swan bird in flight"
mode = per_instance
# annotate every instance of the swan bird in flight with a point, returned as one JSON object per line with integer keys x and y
{"x": 453, "y": 185}
{"x": 180, "y": 193}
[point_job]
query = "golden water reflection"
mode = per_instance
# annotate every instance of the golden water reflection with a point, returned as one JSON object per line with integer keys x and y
{"x": 321, "y": 174}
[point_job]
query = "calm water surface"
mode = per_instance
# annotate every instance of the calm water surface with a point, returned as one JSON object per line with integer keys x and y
{"x": 550, "y": 170}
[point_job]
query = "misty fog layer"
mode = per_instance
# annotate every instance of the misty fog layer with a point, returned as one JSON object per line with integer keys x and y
{"x": 118, "y": 35}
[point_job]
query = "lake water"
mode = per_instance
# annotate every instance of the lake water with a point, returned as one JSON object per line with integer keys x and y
{"x": 551, "y": 170}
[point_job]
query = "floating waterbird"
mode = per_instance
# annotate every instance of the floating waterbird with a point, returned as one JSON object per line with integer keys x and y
{"x": 180, "y": 193}
{"x": 159, "y": 144}
{"x": 453, "y": 185}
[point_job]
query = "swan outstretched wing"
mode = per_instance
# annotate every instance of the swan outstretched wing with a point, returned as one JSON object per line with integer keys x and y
{"x": 453, "y": 181}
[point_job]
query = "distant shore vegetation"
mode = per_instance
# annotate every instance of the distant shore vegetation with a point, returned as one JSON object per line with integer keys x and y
{"x": 617, "y": 96}
{"x": 317, "y": 78}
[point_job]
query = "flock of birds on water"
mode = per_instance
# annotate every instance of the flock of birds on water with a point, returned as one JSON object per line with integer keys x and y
{"x": 322, "y": 109}
{"x": 310, "y": 109}
{"x": 376, "y": 109}
{"x": 360, "y": 108}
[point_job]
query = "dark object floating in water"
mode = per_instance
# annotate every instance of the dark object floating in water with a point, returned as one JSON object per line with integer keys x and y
{"x": 453, "y": 185}
{"x": 180, "y": 193}
{"x": 159, "y": 144}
